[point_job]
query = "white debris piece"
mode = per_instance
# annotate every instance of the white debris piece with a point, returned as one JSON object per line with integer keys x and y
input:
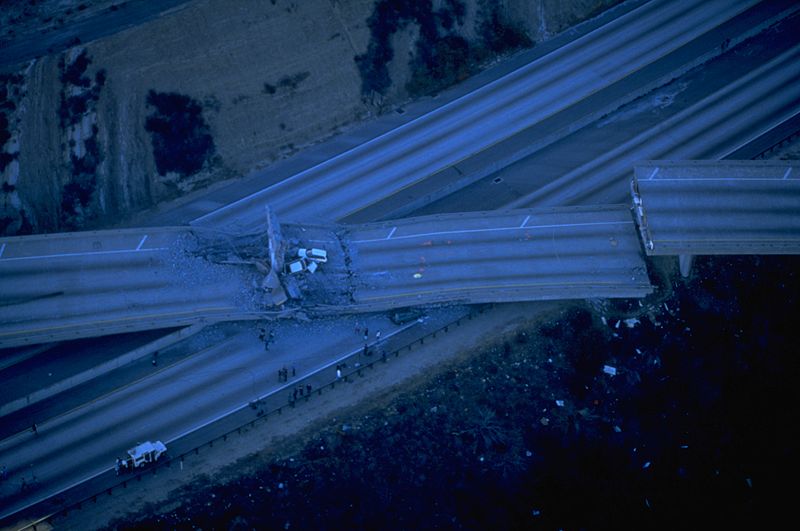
{"x": 605, "y": 321}
{"x": 617, "y": 429}
{"x": 608, "y": 369}
{"x": 630, "y": 323}
{"x": 646, "y": 465}
{"x": 617, "y": 325}
{"x": 560, "y": 403}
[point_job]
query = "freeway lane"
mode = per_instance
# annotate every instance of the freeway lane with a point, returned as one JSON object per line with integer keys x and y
{"x": 66, "y": 286}
{"x": 560, "y": 253}
{"x": 475, "y": 122}
{"x": 726, "y": 207}
{"x": 107, "y": 22}
{"x": 178, "y": 400}
{"x": 712, "y": 128}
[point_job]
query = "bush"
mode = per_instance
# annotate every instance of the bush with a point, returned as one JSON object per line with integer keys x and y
{"x": 5, "y": 134}
{"x": 499, "y": 35}
{"x": 182, "y": 142}
{"x": 73, "y": 74}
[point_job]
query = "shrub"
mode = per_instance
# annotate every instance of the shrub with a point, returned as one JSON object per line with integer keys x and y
{"x": 73, "y": 74}
{"x": 182, "y": 142}
{"x": 499, "y": 35}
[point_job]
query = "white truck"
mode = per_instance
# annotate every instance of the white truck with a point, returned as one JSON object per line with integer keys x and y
{"x": 141, "y": 455}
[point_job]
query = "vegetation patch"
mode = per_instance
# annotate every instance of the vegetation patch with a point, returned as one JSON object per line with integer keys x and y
{"x": 78, "y": 92}
{"x": 79, "y": 95}
{"x": 443, "y": 56}
{"x": 498, "y": 34}
{"x": 286, "y": 82}
{"x": 182, "y": 141}
{"x": 77, "y": 194}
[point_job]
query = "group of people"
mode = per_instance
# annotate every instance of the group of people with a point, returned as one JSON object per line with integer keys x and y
{"x": 301, "y": 391}
{"x": 366, "y": 333}
{"x": 283, "y": 373}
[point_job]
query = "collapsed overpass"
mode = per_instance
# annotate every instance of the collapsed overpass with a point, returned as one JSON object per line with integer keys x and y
{"x": 73, "y": 285}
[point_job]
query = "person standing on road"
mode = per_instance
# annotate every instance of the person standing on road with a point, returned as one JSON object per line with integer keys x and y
{"x": 366, "y": 334}
{"x": 35, "y": 429}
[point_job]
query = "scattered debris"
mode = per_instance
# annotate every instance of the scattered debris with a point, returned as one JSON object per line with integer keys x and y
{"x": 630, "y": 323}
{"x": 560, "y": 403}
{"x": 608, "y": 369}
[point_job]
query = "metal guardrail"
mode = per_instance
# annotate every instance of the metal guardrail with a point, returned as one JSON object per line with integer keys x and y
{"x": 272, "y": 405}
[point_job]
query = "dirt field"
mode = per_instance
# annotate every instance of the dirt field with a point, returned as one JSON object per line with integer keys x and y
{"x": 267, "y": 77}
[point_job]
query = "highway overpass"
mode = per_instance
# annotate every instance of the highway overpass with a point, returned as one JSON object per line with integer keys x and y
{"x": 55, "y": 287}
{"x": 72, "y": 285}
{"x": 475, "y": 257}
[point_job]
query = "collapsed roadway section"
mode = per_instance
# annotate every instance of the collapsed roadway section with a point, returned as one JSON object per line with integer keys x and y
{"x": 74, "y": 285}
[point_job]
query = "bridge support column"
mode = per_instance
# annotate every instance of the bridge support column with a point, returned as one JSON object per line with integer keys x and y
{"x": 685, "y": 264}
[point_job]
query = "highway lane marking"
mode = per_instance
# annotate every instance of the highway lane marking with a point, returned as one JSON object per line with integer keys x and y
{"x": 785, "y": 175}
{"x": 91, "y": 253}
{"x": 391, "y": 232}
{"x": 655, "y": 172}
{"x": 144, "y": 238}
{"x": 467, "y": 231}
{"x": 526, "y": 220}
{"x": 2, "y": 249}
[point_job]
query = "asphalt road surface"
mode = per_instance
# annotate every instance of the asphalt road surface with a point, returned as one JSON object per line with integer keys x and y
{"x": 385, "y": 165}
{"x": 710, "y": 129}
{"x": 128, "y": 14}
{"x": 66, "y": 286}
{"x": 178, "y": 400}
{"x": 568, "y": 253}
